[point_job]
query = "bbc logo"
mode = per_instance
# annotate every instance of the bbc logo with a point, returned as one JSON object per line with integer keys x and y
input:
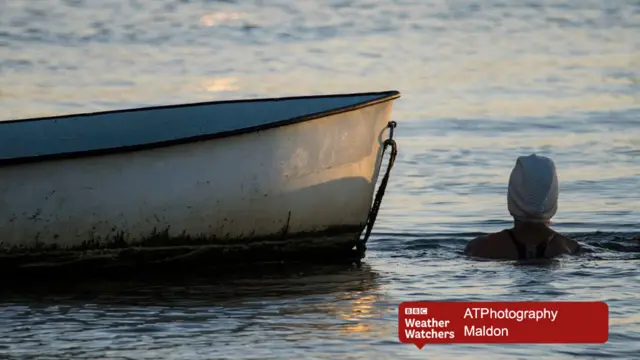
{"x": 416, "y": 311}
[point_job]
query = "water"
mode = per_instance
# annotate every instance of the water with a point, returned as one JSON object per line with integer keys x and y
{"x": 482, "y": 82}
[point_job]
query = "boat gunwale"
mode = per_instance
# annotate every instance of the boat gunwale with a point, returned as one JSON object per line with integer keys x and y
{"x": 384, "y": 96}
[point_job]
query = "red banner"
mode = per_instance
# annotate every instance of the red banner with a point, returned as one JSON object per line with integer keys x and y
{"x": 422, "y": 323}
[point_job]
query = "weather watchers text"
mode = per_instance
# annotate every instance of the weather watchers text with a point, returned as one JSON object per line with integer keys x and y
{"x": 423, "y": 323}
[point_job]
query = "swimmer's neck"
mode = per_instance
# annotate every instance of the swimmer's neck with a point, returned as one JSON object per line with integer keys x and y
{"x": 531, "y": 226}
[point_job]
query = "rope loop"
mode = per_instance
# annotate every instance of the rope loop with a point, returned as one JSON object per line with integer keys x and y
{"x": 373, "y": 212}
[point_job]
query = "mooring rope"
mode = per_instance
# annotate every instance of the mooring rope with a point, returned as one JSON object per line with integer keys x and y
{"x": 373, "y": 213}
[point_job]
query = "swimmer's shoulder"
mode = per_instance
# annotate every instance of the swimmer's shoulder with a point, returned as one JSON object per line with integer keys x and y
{"x": 475, "y": 245}
{"x": 488, "y": 246}
{"x": 568, "y": 244}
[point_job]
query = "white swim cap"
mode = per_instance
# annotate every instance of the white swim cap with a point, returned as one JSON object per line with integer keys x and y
{"x": 533, "y": 189}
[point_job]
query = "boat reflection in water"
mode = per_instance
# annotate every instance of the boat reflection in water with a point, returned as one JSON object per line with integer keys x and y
{"x": 291, "y": 303}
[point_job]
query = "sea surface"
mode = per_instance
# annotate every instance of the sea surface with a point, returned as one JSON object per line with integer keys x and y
{"x": 482, "y": 83}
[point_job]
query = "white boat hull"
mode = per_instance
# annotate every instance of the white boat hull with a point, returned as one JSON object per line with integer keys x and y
{"x": 299, "y": 187}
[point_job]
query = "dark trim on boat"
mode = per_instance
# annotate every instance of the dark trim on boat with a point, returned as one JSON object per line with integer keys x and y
{"x": 162, "y": 255}
{"x": 384, "y": 97}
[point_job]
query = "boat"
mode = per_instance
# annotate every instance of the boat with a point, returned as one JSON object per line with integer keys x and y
{"x": 269, "y": 179}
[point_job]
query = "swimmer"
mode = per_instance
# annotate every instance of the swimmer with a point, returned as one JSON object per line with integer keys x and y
{"x": 532, "y": 200}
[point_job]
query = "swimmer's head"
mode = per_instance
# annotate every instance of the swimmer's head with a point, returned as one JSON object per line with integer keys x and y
{"x": 533, "y": 189}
